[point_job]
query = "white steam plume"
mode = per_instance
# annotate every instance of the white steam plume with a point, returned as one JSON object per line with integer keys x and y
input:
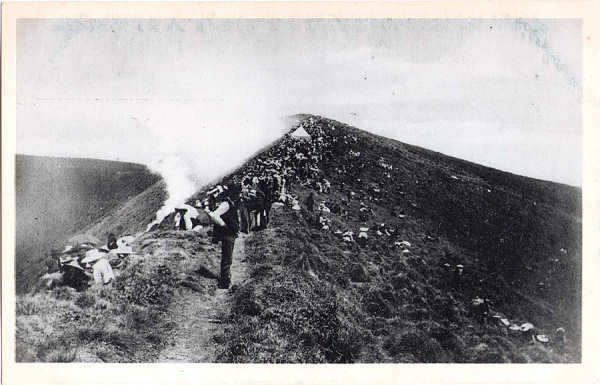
{"x": 194, "y": 148}
{"x": 180, "y": 180}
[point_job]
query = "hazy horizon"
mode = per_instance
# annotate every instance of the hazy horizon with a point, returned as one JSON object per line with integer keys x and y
{"x": 193, "y": 98}
{"x": 234, "y": 166}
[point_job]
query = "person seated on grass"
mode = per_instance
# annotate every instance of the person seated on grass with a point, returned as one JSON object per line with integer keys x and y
{"x": 102, "y": 272}
{"x": 73, "y": 274}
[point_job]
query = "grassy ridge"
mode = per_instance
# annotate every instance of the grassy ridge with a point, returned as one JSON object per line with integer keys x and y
{"x": 314, "y": 298}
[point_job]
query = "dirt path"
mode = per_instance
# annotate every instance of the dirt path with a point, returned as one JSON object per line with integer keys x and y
{"x": 197, "y": 316}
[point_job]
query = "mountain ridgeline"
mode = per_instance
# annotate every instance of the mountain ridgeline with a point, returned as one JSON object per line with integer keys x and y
{"x": 515, "y": 240}
{"x": 461, "y": 232}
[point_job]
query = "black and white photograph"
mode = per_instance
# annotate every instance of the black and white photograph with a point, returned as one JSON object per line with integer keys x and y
{"x": 298, "y": 190}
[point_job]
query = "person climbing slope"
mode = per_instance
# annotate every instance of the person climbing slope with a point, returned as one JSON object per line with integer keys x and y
{"x": 225, "y": 229}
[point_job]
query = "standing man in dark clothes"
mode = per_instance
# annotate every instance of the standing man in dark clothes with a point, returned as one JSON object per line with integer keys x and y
{"x": 243, "y": 209}
{"x": 225, "y": 229}
{"x": 260, "y": 220}
{"x": 263, "y": 186}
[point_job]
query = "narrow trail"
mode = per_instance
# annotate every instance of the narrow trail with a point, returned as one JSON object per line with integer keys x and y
{"x": 198, "y": 316}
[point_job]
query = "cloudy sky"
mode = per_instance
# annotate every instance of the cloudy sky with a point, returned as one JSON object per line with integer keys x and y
{"x": 198, "y": 96}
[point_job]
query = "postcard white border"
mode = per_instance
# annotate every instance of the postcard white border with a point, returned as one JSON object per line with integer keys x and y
{"x": 586, "y": 372}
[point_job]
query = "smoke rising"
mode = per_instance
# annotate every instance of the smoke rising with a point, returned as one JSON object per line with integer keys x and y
{"x": 194, "y": 148}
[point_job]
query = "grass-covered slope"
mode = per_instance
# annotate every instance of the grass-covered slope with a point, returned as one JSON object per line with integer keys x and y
{"x": 130, "y": 322}
{"x": 315, "y": 298}
{"x": 57, "y": 198}
{"x": 311, "y": 297}
{"x": 134, "y": 215}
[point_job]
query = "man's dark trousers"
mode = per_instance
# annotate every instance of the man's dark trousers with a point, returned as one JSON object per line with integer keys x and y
{"x": 226, "y": 260}
{"x": 245, "y": 218}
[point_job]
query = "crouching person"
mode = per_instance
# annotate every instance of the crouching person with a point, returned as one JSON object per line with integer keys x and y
{"x": 74, "y": 274}
{"x": 225, "y": 229}
{"x": 101, "y": 270}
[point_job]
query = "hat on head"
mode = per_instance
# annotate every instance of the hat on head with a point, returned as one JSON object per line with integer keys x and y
{"x": 93, "y": 256}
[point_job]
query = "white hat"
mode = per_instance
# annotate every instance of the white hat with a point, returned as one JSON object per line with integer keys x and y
{"x": 122, "y": 249}
{"x": 526, "y": 327}
{"x": 542, "y": 338}
{"x": 92, "y": 256}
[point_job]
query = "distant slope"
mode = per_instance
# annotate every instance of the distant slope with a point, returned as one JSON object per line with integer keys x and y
{"x": 133, "y": 216}
{"x": 59, "y": 197}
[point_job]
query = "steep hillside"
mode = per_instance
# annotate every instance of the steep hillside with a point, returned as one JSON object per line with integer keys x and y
{"x": 134, "y": 215}
{"x": 325, "y": 300}
{"x": 443, "y": 234}
{"x": 57, "y": 198}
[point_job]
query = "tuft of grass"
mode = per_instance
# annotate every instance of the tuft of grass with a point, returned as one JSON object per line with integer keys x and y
{"x": 147, "y": 285}
{"x": 27, "y": 307}
{"x": 61, "y": 355}
{"x": 85, "y": 300}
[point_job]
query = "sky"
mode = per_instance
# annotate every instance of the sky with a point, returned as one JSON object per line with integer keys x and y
{"x": 193, "y": 98}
